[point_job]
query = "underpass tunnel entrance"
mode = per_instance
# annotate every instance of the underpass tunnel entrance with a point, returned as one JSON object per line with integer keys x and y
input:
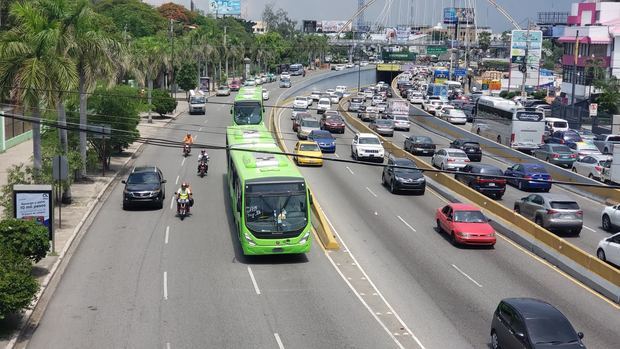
{"x": 388, "y": 72}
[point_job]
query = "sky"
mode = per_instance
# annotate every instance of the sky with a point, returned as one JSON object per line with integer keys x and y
{"x": 426, "y": 11}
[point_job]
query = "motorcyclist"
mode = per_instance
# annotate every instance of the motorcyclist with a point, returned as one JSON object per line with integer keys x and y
{"x": 184, "y": 193}
{"x": 203, "y": 156}
{"x": 188, "y": 140}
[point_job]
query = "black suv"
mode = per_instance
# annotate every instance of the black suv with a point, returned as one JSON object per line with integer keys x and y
{"x": 409, "y": 179}
{"x": 532, "y": 323}
{"x": 420, "y": 145}
{"x": 472, "y": 176}
{"x": 145, "y": 185}
{"x": 471, "y": 148}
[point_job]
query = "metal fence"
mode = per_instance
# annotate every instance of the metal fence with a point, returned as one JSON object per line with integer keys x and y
{"x": 576, "y": 116}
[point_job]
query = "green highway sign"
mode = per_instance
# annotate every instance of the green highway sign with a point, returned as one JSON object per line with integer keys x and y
{"x": 398, "y": 56}
{"x": 436, "y": 50}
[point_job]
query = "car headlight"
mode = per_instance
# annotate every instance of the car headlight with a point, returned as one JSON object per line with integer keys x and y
{"x": 249, "y": 240}
{"x": 492, "y": 235}
{"x": 400, "y": 179}
{"x": 421, "y": 179}
{"x": 304, "y": 239}
{"x": 464, "y": 235}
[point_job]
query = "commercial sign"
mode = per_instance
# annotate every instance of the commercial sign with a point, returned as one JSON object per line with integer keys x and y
{"x": 333, "y": 26}
{"x": 225, "y": 7}
{"x": 34, "y": 202}
{"x": 388, "y": 67}
{"x": 436, "y": 50}
{"x": 460, "y": 72}
{"x": 402, "y": 33}
{"x": 522, "y": 39}
{"x": 593, "y": 109}
{"x": 461, "y": 15}
{"x": 398, "y": 56}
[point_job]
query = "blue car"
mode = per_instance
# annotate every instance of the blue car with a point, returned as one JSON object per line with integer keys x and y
{"x": 324, "y": 139}
{"x": 521, "y": 176}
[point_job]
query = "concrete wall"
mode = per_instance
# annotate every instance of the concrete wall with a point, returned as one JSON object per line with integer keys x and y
{"x": 6, "y": 144}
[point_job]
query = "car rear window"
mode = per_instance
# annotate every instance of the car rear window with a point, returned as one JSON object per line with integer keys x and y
{"x": 560, "y": 124}
{"x": 561, "y": 149}
{"x": 613, "y": 139}
{"x": 535, "y": 169}
{"x": 456, "y": 154}
{"x": 564, "y": 205}
{"x": 471, "y": 144}
{"x": 489, "y": 171}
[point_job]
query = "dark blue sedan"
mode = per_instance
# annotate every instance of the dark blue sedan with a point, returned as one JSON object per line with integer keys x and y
{"x": 324, "y": 139}
{"x": 522, "y": 175}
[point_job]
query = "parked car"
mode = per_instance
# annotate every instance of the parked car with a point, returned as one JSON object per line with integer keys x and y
{"x": 609, "y": 249}
{"x": 592, "y": 166}
{"x": 557, "y": 154}
{"x": 554, "y": 212}
{"x": 383, "y": 127}
{"x": 419, "y": 145}
{"x": 610, "y": 217}
{"x": 405, "y": 179}
{"x": 333, "y": 123}
{"x": 524, "y": 176}
{"x": 465, "y": 224}
{"x": 367, "y": 146}
{"x": 562, "y": 137}
{"x": 471, "y": 148}
{"x": 531, "y": 323}
{"x": 450, "y": 159}
{"x": 144, "y": 185}
{"x": 476, "y": 176}
{"x": 306, "y": 126}
{"x": 304, "y": 149}
{"x": 324, "y": 139}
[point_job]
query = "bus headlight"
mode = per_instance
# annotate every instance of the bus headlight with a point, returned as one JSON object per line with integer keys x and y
{"x": 304, "y": 239}
{"x": 248, "y": 238}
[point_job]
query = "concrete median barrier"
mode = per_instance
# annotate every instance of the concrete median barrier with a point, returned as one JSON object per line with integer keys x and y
{"x": 551, "y": 240}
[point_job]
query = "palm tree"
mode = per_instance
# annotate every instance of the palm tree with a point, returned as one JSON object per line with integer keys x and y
{"x": 94, "y": 53}
{"x": 151, "y": 56}
{"x": 31, "y": 66}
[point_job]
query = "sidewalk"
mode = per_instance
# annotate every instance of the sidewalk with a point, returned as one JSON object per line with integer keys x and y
{"x": 86, "y": 195}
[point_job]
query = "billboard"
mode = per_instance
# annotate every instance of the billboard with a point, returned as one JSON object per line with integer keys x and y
{"x": 402, "y": 33}
{"x": 333, "y": 26}
{"x": 520, "y": 41}
{"x": 34, "y": 202}
{"x": 225, "y": 7}
{"x": 460, "y": 15}
{"x": 309, "y": 26}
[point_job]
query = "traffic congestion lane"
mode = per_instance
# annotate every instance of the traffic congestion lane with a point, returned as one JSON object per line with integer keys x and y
{"x": 421, "y": 265}
{"x": 145, "y": 279}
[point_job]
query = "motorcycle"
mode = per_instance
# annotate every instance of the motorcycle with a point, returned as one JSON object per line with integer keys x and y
{"x": 203, "y": 167}
{"x": 183, "y": 208}
{"x": 186, "y": 149}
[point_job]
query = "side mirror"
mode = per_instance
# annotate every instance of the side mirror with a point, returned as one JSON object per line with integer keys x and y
{"x": 164, "y": 181}
{"x": 231, "y": 111}
{"x": 489, "y": 220}
{"x": 520, "y": 335}
{"x": 580, "y": 335}
{"x": 124, "y": 181}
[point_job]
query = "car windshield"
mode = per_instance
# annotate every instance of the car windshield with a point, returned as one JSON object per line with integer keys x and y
{"x": 587, "y": 146}
{"x": 143, "y": 178}
{"x": 423, "y": 140}
{"x": 310, "y": 123}
{"x": 560, "y": 124}
{"x": 309, "y": 147}
{"x": 247, "y": 113}
{"x": 491, "y": 171}
{"x": 406, "y": 170}
{"x": 469, "y": 217}
{"x": 369, "y": 140}
{"x": 197, "y": 100}
{"x": 550, "y": 330}
{"x": 400, "y": 118}
{"x": 275, "y": 208}
{"x": 356, "y": 100}
{"x": 564, "y": 205}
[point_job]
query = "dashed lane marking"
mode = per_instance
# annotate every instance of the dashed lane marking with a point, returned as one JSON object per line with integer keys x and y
{"x": 405, "y": 223}
{"x": 256, "y": 289}
{"x": 467, "y": 276}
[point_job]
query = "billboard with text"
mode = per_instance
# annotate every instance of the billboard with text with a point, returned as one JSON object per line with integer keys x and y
{"x": 461, "y": 15}
{"x": 225, "y": 7}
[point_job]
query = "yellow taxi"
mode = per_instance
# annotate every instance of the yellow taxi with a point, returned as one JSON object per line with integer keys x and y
{"x": 308, "y": 148}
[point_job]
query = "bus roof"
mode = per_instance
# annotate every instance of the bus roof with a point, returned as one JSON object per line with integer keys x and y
{"x": 249, "y": 93}
{"x": 498, "y": 102}
{"x": 257, "y": 165}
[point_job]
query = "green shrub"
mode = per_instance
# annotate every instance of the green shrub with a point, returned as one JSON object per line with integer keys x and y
{"x": 26, "y": 238}
{"x": 17, "y": 285}
{"x": 162, "y": 102}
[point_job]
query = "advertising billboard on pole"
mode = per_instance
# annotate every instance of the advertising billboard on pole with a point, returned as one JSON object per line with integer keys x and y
{"x": 461, "y": 15}
{"x": 225, "y": 7}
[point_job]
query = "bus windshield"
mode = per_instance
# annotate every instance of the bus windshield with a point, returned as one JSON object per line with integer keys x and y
{"x": 247, "y": 113}
{"x": 276, "y": 208}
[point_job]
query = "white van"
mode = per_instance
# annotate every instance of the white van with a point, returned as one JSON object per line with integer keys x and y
{"x": 197, "y": 102}
{"x": 555, "y": 124}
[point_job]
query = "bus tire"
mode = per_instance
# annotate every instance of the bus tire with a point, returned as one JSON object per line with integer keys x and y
{"x": 478, "y": 131}
{"x": 499, "y": 139}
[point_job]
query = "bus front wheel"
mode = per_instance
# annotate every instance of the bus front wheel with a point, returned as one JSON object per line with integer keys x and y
{"x": 499, "y": 139}
{"x": 478, "y": 132}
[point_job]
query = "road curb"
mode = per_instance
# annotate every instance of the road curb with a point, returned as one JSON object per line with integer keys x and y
{"x": 27, "y": 315}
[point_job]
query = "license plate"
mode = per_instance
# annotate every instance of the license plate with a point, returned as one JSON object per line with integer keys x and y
{"x": 491, "y": 184}
{"x": 425, "y": 151}
{"x": 564, "y": 156}
{"x": 471, "y": 150}
{"x": 277, "y": 249}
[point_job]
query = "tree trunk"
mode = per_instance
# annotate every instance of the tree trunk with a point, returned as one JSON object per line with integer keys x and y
{"x": 150, "y": 89}
{"x": 83, "y": 121}
{"x": 64, "y": 144}
{"x": 36, "y": 140}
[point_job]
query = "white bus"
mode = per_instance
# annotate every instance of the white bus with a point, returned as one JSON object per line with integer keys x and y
{"x": 508, "y": 123}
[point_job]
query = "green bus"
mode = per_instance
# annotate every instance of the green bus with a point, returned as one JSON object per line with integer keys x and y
{"x": 248, "y": 107}
{"x": 269, "y": 197}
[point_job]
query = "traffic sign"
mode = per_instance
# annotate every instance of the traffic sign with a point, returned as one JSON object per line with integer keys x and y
{"x": 593, "y": 109}
{"x": 436, "y": 50}
{"x": 460, "y": 72}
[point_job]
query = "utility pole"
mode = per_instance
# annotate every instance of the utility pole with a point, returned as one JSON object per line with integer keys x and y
{"x": 523, "y": 67}
{"x": 170, "y": 78}
{"x": 226, "y": 51}
{"x": 574, "y": 79}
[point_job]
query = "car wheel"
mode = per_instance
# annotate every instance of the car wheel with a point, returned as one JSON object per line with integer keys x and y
{"x": 547, "y": 159}
{"x": 539, "y": 221}
{"x": 499, "y": 139}
{"x": 606, "y": 223}
{"x": 494, "y": 340}
{"x": 125, "y": 206}
{"x": 453, "y": 239}
{"x": 160, "y": 203}
{"x": 383, "y": 178}
{"x": 421, "y": 192}
{"x": 478, "y": 132}
{"x": 438, "y": 225}
{"x": 589, "y": 176}
{"x": 392, "y": 187}
{"x": 520, "y": 185}
{"x": 601, "y": 254}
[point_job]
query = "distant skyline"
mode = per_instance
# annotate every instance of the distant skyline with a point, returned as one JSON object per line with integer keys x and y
{"x": 425, "y": 11}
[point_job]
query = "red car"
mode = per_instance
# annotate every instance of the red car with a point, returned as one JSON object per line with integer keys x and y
{"x": 465, "y": 224}
{"x": 235, "y": 85}
{"x": 333, "y": 123}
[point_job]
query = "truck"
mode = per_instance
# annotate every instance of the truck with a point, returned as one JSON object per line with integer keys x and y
{"x": 611, "y": 174}
{"x": 397, "y": 107}
{"x": 605, "y": 143}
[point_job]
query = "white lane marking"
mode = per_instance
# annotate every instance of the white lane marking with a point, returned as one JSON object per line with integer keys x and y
{"x": 167, "y": 234}
{"x": 371, "y": 192}
{"x": 590, "y": 229}
{"x": 177, "y": 180}
{"x": 253, "y": 280}
{"x": 171, "y": 203}
{"x": 350, "y": 170}
{"x": 279, "y": 341}
{"x": 165, "y": 285}
{"x": 200, "y": 129}
{"x": 391, "y": 312}
{"x": 183, "y": 162}
{"x": 196, "y": 137}
{"x": 336, "y": 155}
{"x": 167, "y": 345}
{"x": 405, "y": 223}
{"x": 467, "y": 276}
